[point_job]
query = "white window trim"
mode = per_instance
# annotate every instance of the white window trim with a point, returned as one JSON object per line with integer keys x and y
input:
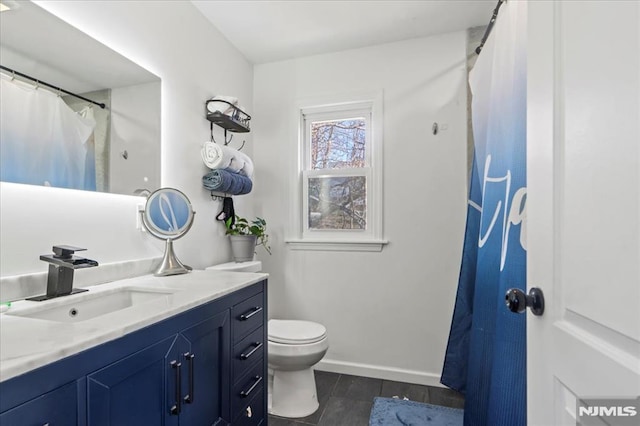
{"x": 370, "y": 240}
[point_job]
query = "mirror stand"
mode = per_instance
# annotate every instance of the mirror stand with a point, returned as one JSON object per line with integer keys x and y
{"x": 168, "y": 215}
{"x": 171, "y": 265}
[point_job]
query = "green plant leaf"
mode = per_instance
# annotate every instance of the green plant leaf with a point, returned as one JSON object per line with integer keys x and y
{"x": 258, "y": 227}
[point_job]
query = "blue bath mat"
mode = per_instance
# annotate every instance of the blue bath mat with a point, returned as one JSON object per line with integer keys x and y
{"x": 399, "y": 412}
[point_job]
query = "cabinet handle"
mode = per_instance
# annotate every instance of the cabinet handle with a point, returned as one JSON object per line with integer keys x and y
{"x": 256, "y": 346}
{"x": 246, "y": 393}
{"x": 189, "y": 398}
{"x": 250, "y": 313}
{"x": 175, "y": 410}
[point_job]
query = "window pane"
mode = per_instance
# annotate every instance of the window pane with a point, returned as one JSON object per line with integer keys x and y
{"x": 337, "y": 202}
{"x": 338, "y": 144}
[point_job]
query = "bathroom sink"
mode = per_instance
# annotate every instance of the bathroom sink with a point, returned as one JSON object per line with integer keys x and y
{"x": 91, "y": 305}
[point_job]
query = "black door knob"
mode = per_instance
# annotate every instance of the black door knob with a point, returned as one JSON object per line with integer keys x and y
{"x": 517, "y": 301}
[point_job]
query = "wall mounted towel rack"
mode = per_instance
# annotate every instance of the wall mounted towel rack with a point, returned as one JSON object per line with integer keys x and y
{"x": 236, "y": 120}
{"x": 219, "y": 196}
{"x": 233, "y": 120}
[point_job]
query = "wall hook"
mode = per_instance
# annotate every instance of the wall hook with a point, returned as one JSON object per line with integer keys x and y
{"x": 227, "y": 141}
{"x": 211, "y": 130}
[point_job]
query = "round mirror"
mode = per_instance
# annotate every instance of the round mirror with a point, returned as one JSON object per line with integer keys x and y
{"x": 168, "y": 215}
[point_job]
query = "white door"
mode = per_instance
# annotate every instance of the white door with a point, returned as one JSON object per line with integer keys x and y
{"x": 583, "y": 208}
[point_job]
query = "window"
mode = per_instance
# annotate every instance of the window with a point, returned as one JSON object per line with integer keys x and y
{"x": 339, "y": 173}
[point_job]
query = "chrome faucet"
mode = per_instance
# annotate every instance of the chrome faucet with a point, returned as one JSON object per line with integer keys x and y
{"x": 62, "y": 264}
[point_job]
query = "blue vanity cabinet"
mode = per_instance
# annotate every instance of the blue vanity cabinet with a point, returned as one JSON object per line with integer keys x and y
{"x": 205, "y": 378}
{"x": 249, "y": 369}
{"x": 132, "y": 391}
{"x": 179, "y": 371}
{"x": 178, "y": 381}
{"x": 58, "y": 407}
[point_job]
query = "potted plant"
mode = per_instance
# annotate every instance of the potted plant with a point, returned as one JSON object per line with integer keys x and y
{"x": 245, "y": 236}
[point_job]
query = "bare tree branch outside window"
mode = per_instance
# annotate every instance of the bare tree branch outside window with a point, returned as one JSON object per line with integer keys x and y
{"x": 338, "y": 202}
{"x": 338, "y": 144}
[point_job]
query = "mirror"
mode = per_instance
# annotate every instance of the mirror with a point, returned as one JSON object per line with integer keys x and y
{"x": 51, "y": 138}
{"x": 168, "y": 215}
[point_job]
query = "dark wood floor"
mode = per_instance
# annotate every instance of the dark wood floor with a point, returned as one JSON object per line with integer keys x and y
{"x": 346, "y": 400}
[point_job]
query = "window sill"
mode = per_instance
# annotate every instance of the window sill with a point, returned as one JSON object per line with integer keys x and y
{"x": 337, "y": 245}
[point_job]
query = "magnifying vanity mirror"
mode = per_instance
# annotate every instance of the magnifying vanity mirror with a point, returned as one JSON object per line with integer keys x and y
{"x": 51, "y": 138}
{"x": 168, "y": 215}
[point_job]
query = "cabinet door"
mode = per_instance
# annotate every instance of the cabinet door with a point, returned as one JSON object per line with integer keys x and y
{"x": 58, "y": 407}
{"x": 134, "y": 390}
{"x": 206, "y": 372}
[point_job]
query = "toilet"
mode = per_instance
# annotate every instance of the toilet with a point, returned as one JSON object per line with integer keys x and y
{"x": 294, "y": 347}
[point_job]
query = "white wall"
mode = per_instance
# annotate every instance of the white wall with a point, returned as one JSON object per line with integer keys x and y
{"x": 387, "y": 313}
{"x": 174, "y": 41}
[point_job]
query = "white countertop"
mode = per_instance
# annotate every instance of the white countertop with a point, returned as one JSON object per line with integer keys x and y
{"x": 27, "y": 343}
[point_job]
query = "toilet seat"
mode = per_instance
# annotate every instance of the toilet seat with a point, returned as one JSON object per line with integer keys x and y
{"x": 295, "y": 332}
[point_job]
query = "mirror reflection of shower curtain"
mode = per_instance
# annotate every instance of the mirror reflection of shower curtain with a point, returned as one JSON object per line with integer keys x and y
{"x": 101, "y": 134}
{"x": 42, "y": 141}
{"x": 486, "y": 353}
{"x": 90, "y": 158}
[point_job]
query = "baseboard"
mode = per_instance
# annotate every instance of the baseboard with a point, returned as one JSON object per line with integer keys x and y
{"x": 379, "y": 372}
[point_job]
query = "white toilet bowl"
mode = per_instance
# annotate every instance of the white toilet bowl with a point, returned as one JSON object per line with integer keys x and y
{"x": 294, "y": 347}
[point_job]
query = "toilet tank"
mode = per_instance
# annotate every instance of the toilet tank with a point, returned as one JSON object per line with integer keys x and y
{"x": 252, "y": 266}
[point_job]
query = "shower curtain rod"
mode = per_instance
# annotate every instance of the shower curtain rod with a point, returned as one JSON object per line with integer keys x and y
{"x": 490, "y": 26}
{"x": 40, "y": 82}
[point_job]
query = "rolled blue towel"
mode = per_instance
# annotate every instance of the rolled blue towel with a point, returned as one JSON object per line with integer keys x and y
{"x": 221, "y": 180}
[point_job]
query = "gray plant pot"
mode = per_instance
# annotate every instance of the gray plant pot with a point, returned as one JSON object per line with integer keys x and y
{"x": 243, "y": 247}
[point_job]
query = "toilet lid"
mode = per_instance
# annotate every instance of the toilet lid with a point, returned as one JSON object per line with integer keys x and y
{"x": 295, "y": 332}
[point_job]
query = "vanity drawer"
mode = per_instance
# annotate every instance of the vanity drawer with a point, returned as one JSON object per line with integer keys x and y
{"x": 247, "y": 316}
{"x": 247, "y": 352}
{"x": 253, "y": 413}
{"x": 58, "y": 407}
{"x": 249, "y": 388}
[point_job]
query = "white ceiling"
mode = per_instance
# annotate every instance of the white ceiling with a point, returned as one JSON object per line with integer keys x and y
{"x": 267, "y": 31}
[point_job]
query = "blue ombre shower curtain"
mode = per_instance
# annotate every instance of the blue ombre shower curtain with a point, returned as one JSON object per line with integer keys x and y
{"x": 486, "y": 354}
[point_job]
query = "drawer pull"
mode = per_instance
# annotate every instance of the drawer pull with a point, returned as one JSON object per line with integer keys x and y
{"x": 250, "y": 313}
{"x": 249, "y": 413}
{"x": 189, "y": 398}
{"x": 246, "y": 393}
{"x": 176, "y": 408}
{"x": 256, "y": 346}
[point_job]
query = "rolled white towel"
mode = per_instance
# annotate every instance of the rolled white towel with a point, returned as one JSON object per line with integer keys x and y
{"x": 213, "y": 156}
{"x": 241, "y": 163}
{"x": 217, "y": 156}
